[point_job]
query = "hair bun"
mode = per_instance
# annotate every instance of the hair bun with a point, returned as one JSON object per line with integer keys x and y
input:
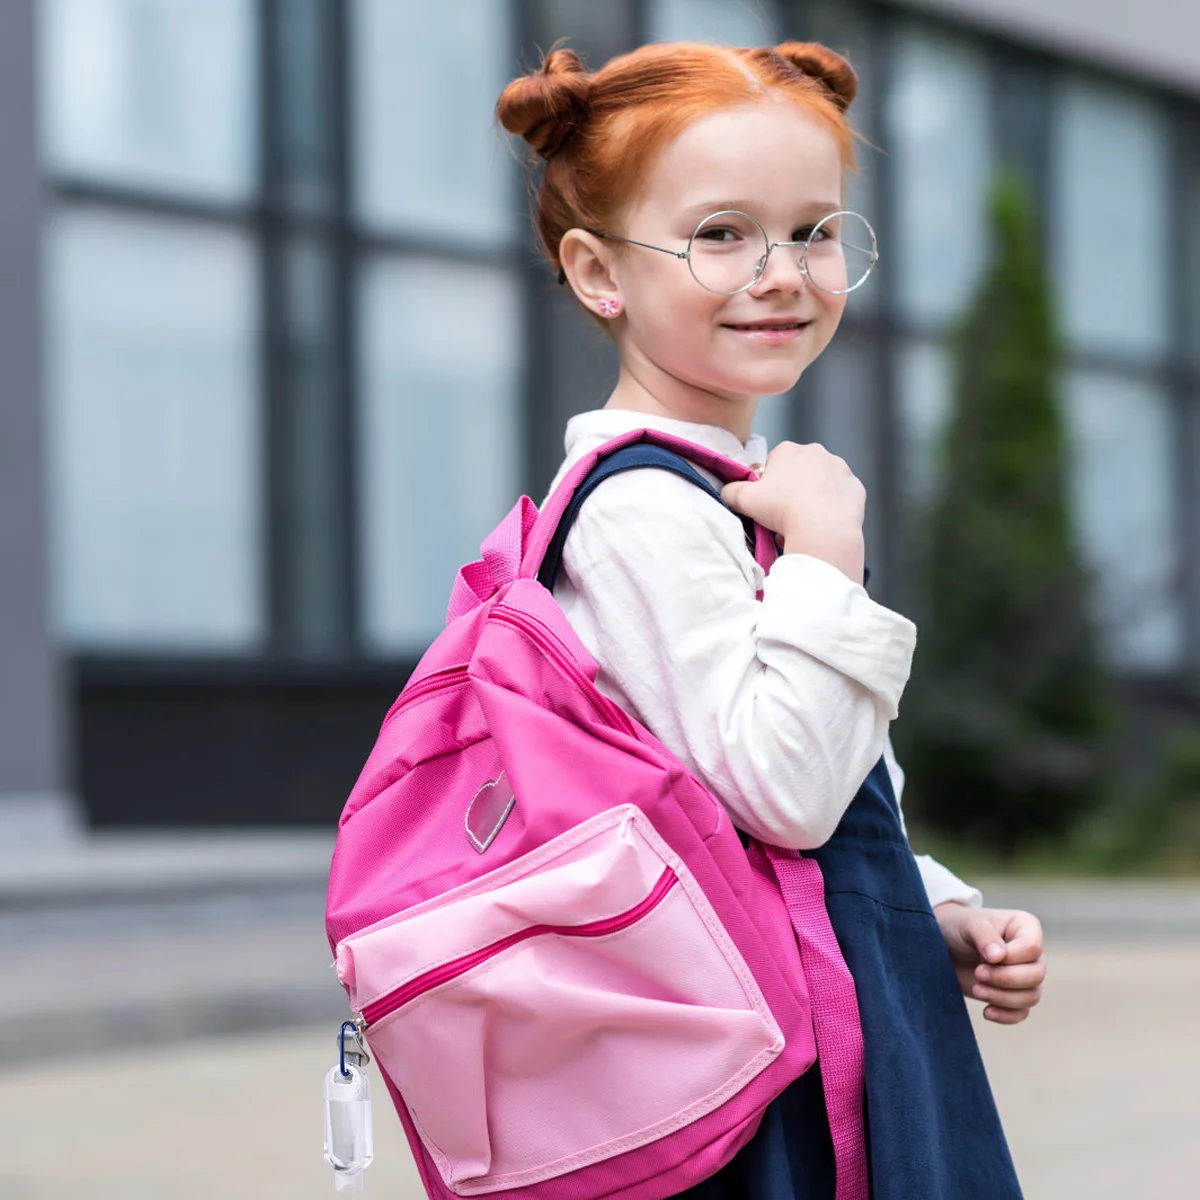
{"x": 546, "y": 106}
{"x": 824, "y": 65}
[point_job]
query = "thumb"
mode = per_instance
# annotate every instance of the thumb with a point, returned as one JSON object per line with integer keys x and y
{"x": 987, "y": 937}
{"x": 731, "y": 493}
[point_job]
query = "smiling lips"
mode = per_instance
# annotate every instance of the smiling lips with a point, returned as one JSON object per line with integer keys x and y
{"x": 755, "y": 325}
{"x": 772, "y": 330}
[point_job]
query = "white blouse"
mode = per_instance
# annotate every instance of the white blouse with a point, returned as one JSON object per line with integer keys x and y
{"x": 779, "y": 708}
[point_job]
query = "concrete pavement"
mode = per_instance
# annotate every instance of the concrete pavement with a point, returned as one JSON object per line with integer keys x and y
{"x": 1098, "y": 1092}
{"x": 167, "y": 1014}
{"x": 126, "y": 940}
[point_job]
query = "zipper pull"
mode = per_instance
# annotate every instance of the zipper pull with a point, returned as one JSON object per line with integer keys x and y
{"x": 360, "y": 1034}
{"x": 349, "y": 1145}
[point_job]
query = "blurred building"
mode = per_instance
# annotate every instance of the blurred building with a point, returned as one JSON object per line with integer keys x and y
{"x": 277, "y": 349}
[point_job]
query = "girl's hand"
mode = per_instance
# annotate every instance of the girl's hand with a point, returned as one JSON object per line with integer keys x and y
{"x": 998, "y": 956}
{"x": 813, "y": 502}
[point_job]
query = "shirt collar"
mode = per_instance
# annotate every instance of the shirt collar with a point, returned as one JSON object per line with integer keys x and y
{"x": 605, "y": 423}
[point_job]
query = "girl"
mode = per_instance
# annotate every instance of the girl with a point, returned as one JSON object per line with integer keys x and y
{"x": 691, "y": 197}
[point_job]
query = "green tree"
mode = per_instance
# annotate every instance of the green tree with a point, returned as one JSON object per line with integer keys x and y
{"x": 1006, "y": 720}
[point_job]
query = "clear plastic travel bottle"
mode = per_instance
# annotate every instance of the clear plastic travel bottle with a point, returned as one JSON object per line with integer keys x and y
{"x": 348, "y": 1142}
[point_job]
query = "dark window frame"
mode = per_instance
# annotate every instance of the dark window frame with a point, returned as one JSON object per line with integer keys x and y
{"x": 563, "y": 371}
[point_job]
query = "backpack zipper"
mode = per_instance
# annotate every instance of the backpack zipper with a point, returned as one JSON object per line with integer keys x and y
{"x": 437, "y": 976}
{"x": 611, "y": 713}
{"x": 433, "y": 682}
{"x": 608, "y": 712}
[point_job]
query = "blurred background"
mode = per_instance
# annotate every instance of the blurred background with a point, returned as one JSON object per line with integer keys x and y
{"x": 277, "y": 350}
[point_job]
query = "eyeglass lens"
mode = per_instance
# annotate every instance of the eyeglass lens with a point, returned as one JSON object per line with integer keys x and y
{"x": 728, "y": 252}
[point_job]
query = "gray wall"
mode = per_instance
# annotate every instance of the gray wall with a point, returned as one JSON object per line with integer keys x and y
{"x": 1157, "y": 39}
{"x": 31, "y": 750}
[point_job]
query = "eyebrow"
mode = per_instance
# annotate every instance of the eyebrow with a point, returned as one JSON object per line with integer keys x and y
{"x": 815, "y": 208}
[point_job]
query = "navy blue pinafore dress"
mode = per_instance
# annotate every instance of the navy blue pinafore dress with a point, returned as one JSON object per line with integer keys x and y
{"x": 932, "y": 1127}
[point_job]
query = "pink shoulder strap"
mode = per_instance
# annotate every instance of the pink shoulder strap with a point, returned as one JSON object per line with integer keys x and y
{"x": 835, "y": 1016}
{"x": 726, "y": 469}
{"x": 517, "y": 546}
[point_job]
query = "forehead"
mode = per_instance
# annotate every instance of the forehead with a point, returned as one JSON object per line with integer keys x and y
{"x": 771, "y": 152}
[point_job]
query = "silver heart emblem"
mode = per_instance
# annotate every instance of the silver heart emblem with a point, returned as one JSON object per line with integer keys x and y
{"x": 488, "y": 810}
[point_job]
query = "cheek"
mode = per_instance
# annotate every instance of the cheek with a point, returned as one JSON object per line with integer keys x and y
{"x": 674, "y": 315}
{"x": 832, "y": 308}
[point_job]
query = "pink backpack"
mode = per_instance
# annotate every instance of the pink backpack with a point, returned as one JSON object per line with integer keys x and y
{"x": 575, "y": 979}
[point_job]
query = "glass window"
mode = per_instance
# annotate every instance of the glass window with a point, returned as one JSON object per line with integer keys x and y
{"x": 304, "y": 102}
{"x": 1111, "y": 228}
{"x": 596, "y": 32}
{"x": 439, "y": 435}
{"x": 308, "y": 436}
{"x": 1123, "y": 493}
{"x": 577, "y": 370}
{"x": 151, "y": 93}
{"x": 839, "y": 411}
{"x": 155, "y": 468}
{"x": 924, "y": 384}
{"x": 747, "y": 23}
{"x": 427, "y": 155}
{"x": 773, "y": 418}
{"x": 847, "y": 27}
{"x": 938, "y": 132}
{"x": 1191, "y": 220}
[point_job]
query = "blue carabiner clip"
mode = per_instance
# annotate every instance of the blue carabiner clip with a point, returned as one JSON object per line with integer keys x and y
{"x": 342, "y": 1046}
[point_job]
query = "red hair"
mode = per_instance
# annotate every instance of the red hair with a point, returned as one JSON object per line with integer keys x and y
{"x": 601, "y": 132}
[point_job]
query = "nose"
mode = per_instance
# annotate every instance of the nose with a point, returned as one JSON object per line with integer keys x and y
{"x": 782, "y": 271}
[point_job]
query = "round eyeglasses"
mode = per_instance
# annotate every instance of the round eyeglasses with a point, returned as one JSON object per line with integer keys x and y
{"x": 728, "y": 252}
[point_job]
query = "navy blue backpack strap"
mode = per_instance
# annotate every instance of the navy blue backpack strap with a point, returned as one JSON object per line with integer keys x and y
{"x": 640, "y": 454}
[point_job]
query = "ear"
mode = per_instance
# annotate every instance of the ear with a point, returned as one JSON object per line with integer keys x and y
{"x": 587, "y": 262}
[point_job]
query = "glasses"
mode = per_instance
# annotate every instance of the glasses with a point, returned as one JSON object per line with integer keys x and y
{"x": 728, "y": 252}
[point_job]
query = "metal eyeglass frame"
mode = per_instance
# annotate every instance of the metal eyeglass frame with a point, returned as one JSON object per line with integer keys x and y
{"x": 760, "y": 269}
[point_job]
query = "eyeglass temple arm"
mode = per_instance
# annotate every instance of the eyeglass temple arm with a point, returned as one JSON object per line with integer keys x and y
{"x": 612, "y": 237}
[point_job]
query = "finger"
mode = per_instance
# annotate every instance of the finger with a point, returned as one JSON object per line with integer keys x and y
{"x": 986, "y": 935}
{"x": 1005, "y": 1016}
{"x": 966, "y": 977}
{"x": 1025, "y": 975}
{"x": 1001, "y": 998}
{"x": 1023, "y": 938}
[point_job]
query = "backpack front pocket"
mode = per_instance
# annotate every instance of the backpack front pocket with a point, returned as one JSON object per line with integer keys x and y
{"x": 575, "y": 1004}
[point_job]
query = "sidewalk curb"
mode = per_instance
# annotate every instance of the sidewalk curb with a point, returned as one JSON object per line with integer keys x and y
{"x": 123, "y": 868}
{"x": 1112, "y": 909}
{"x": 130, "y": 1027}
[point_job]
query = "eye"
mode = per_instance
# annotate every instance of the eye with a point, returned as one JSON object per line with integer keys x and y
{"x": 719, "y": 234}
{"x": 826, "y": 233}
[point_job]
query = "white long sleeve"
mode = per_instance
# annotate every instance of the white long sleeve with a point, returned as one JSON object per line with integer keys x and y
{"x": 779, "y": 707}
{"x": 941, "y": 884}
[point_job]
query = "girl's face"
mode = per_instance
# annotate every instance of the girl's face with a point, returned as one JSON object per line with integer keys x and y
{"x": 780, "y": 166}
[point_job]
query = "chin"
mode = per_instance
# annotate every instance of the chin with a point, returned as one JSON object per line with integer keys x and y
{"x": 766, "y": 383}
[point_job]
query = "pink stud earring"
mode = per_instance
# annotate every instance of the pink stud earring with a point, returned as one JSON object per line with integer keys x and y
{"x": 609, "y": 308}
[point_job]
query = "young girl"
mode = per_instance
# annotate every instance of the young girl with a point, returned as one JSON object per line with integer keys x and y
{"x": 691, "y": 197}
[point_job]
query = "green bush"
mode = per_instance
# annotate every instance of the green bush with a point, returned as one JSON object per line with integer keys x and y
{"x": 1154, "y": 825}
{"x": 1005, "y": 722}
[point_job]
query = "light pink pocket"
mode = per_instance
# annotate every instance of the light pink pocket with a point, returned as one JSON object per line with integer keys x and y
{"x": 575, "y": 1004}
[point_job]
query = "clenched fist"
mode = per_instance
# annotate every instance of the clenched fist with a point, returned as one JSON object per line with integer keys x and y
{"x": 813, "y": 502}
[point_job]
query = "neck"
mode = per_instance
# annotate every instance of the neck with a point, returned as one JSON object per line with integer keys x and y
{"x": 646, "y": 389}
